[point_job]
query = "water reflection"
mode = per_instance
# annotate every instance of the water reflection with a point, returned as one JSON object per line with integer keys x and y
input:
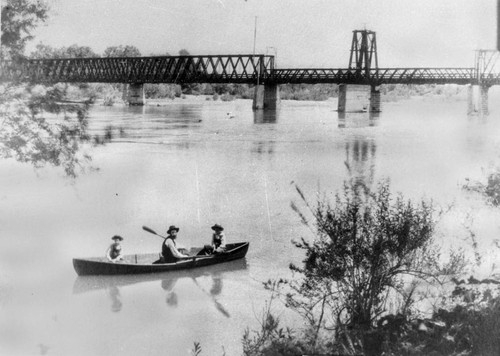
{"x": 149, "y": 122}
{"x": 114, "y": 293}
{"x": 360, "y": 150}
{"x": 264, "y": 147}
{"x": 360, "y": 160}
{"x": 214, "y": 292}
{"x": 171, "y": 298}
{"x": 168, "y": 281}
{"x": 265, "y": 116}
{"x": 357, "y": 119}
{"x": 168, "y": 285}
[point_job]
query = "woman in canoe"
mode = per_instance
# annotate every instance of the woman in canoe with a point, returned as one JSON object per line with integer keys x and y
{"x": 169, "y": 250}
{"x": 114, "y": 252}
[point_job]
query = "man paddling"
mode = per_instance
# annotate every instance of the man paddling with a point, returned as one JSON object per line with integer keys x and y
{"x": 169, "y": 250}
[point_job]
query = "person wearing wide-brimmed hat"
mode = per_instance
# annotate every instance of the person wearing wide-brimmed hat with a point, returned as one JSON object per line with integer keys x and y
{"x": 218, "y": 241}
{"x": 114, "y": 252}
{"x": 169, "y": 251}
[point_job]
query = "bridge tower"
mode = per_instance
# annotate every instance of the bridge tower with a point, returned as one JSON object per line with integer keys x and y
{"x": 485, "y": 65}
{"x": 363, "y": 52}
{"x": 362, "y": 60}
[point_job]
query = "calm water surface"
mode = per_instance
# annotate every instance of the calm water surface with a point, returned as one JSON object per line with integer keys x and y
{"x": 194, "y": 164}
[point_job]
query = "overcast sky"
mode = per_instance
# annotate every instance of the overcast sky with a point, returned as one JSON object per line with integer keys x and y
{"x": 304, "y": 33}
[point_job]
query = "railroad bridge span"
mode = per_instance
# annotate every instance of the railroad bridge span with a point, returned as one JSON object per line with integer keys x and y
{"x": 359, "y": 82}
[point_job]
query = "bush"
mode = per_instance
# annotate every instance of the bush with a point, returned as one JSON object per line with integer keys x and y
{"x": 490, "y": 190}
{"x": 366, "y": 243}
{"x": 370, "y": 249}
{"x": 227, "y": 97}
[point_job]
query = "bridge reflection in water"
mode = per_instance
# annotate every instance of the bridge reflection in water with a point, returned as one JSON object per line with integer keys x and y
{"x": 361, "y": 149}
{"x": 265, "y": 117}
{"x": 168, "y": 281}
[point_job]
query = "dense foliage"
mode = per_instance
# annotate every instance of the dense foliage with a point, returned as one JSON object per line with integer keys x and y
{"x": 74, "y": 51}
{"x": 490, "y": 189}
{"x": 366, "y": 243}
{"x": 40, "y": 125}
{"x": 357, "y": 286}
{"x": 19, "y": 18}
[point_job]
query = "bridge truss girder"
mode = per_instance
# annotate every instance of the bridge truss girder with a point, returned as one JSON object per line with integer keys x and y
{"x": 165, "y": 69}
{"x": 243, "y": 69}
{"x": 375, "y": 76}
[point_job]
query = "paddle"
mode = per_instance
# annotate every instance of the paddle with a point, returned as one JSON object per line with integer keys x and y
{"x": 145, "y": 228}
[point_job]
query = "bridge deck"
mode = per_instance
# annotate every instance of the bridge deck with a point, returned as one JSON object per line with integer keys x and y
{"x": 248, "y": 69}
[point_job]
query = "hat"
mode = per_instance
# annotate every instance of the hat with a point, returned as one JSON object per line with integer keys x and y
{"x": 117, "y": 237}
{"x": 172, "y": 227}
{"x": 217, "y": 227}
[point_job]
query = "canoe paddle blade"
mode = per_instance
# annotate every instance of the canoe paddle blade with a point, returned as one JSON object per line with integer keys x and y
{"x": 145, "y": 228}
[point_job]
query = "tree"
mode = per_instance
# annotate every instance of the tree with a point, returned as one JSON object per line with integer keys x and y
{"x": 75, "y": 51}
{"x": 19, "y": 18}
{"x": 121, "y": 51}
{"x": 43, "y": 51}
{"x": 28, "y": 135}
{"x": 39, "y": 125}
{"x": 366, "y": 243}
{"x": 367, "y": 249}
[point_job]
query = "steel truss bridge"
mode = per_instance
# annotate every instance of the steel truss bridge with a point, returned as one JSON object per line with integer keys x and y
{"x": 243, "y": 69}
{"x": 247, "y": 69}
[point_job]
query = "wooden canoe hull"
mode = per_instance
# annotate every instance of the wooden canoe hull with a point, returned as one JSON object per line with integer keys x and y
{"x": 136, "y": 264}
{"x": 84, "y": 284}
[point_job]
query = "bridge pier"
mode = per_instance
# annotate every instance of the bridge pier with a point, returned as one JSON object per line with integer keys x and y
{"x": 375, "y": 100}
{"x": 136, "y": 94}
{"x": 266, "y": 97}
{"x": 354, "y": 98}
{"x": 357, "y": 98}
{"x": 477, "y": 99}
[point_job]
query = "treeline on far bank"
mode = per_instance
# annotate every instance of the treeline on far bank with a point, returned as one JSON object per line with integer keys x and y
{"x": 112, "y": 93}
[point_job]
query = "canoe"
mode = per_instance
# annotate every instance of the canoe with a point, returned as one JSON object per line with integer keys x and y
{"x": 84, "y": 284}
{"x": 143, "y": 263}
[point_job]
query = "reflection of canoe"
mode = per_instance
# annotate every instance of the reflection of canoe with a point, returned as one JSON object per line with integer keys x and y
{"x": 143, "y": 263}
{"x": 84, "y": 284}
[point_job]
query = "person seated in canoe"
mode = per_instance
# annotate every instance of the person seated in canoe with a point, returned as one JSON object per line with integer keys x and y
{"x": 218, "y": 242}
{"x": 169, "y": 251}
{"x": 114, "y": 252}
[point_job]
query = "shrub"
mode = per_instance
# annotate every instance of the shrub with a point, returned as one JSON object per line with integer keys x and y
{"x": 366, "y": 243}
{"x": 227, "y": 97}
{"x": 490, "y": 190}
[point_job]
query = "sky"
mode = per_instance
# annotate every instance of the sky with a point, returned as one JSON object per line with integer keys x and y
{"x": 301, "y": 33}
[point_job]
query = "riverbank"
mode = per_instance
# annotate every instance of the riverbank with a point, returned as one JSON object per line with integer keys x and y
{"x": 450, "y": 94}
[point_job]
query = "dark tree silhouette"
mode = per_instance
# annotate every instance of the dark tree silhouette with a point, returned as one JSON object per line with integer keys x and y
{"x": 39, "y": 125}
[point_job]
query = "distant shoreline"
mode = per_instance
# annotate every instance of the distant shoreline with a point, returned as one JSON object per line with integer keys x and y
{"x": 386, "y": 98}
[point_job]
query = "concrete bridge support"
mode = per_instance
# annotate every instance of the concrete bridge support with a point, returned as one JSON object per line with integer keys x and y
{"x": 483, "y": 97}
{"x": 477, "y": 99}
{"x": 375, "y": 100}
{"x": 266, "y": 97}
{"x": 136, "y": 94}
{"x": 354, "y": 98}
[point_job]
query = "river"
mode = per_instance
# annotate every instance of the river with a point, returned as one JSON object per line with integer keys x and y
{"x": 196, "y": 163}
